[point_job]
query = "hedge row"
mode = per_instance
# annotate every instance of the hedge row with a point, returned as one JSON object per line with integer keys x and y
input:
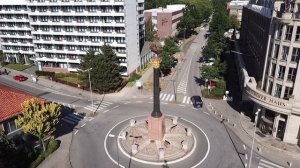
{"x": 51, "y": 147}
{"x": 45, "y": 73}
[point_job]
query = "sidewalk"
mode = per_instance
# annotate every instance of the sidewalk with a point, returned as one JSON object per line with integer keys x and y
{"x": 268, "y": 147}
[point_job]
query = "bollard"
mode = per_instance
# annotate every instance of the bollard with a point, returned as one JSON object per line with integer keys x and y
{"x": 175, "y": 120}
{"x": 234, "y": 125}
{"x": 259, "y": 149}
{"x": 184, "y": 146}
{"x": 189, "y": 132}
{"x": 215, "y": 112}
{"x": 212, "y": 107}
{"x": 132, "y": 123}
{"x": 289, "y": 164}
{"x": 123, "y": 135}
{"x": 227, "y": 120}
{"x": 134, "y": 149}
{"x": 161, "y": 154}
{"x": 221, "y": 116}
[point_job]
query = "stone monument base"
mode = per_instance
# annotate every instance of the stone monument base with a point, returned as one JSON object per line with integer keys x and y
{"x": 156, "y": 128}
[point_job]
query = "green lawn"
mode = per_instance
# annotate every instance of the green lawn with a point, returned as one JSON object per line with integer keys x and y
{"x": 17, "y": 67}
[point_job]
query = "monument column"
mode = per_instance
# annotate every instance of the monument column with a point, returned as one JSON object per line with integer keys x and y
{"x": 156, "y": 124}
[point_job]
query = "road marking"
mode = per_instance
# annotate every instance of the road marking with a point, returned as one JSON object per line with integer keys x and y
{"x": 164, "y": 95}
{"x": 268, "y": 164}
{"x": 244, "y": 146}
{"x": 75, "y": 132}
{"x": 184, "y": 98}
{"x": 171, "y": 98}
{"x": 167, "y": 98}
{"x": 246, "y": 156}
{"x": 116, "y": 106}
{"x": 105, "y": 111}
{"x": 82, "y": 125}
{"x": 126, "y": 102}
{"x": 181, "y": 105}
{"x": 206, "y": 113}
{"x": 91, "y": 119}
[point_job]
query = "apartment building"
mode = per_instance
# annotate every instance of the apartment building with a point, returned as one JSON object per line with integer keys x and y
{"x": 165, "y": 20}
{"x": 60, "y": 32}
{"x": 275, "y": 90}
{"x": 236, "y": 8}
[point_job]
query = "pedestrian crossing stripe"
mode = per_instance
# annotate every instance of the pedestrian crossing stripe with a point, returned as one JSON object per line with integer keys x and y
{"x": 170, "y": 97}
{"x": 72, "y": 118}
{"x": 96, "y": 104}
{"x": 267, "y": 164}
{"x": 104, "y": 103}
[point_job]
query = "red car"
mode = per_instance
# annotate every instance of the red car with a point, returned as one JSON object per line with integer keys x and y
{"x": 20, "y": 78}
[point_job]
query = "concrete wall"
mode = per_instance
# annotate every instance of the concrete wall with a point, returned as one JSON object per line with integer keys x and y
{"x": 292, "y": 131}
{"x": 164, "y": 25}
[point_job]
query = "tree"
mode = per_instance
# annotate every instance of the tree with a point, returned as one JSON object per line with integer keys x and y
{"x": 210, "y": 72}
{"x": 169, "y": 49}
{"x": 2, "y": 58}
{"x": 39, "y": 119}
{"x": 149, "y": 30}
{"x": 7, "y": 151}
{"x": 105, "y": 75}
{"x": 234, "y": 22}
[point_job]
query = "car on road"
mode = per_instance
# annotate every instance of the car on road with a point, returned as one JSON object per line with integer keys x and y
{"x": 197, "y": 101}
{"x": 20, "y": 78}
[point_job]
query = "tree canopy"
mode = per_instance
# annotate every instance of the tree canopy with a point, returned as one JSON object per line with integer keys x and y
{"x": 39, "y": 119}
{"x": 105, "y": 74}
{"x": 169, "y": 49}
{"x": 2, "y": 58}
{"x": 149, "y": 30}
{"x": 7, "y": 152}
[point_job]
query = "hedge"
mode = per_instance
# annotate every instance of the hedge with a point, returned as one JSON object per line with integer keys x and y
{"x": 51, "y": 147}
{"x": 45, "y": 73}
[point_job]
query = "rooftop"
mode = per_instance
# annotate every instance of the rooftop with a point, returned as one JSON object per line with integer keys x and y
{"x": 12, "y": 2}
{"x": 10, "y": 101}
{"x": 168, "y": 9}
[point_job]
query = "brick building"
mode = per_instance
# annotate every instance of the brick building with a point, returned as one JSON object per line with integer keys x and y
{"x": 165, "y": 20}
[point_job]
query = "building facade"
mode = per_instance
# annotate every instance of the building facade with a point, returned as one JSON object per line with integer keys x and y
{"x": 277, "y": 95}
{"x": 165, "y": 20}
{"x": 60, "y": 32}
{"x": 236, "y": 8}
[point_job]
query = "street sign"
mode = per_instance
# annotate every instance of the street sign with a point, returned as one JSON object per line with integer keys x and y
{"x": 138, "y": 83}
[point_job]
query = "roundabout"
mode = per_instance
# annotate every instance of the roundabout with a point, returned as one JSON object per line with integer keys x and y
{"x": 182, "y": 139}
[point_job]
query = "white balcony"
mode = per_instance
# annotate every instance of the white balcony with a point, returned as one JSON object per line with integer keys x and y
{"x": 15, "y": 28}
{"x": 18, "y": 51}
{"x": 65, "y": 60}
{"x": 13, "y": 12}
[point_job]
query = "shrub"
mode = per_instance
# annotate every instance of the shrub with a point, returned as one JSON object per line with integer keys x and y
{"x": 51, "y": 147}
{"x": 45, "y": 73}
{"x": 37, "y": 161}
{"x": 221, "y": 84}
{"x": 218, "y": 92}
{"x": 18, "y": 67}
{"x": 134, "y": 77}
{"x": 60, "y": 75}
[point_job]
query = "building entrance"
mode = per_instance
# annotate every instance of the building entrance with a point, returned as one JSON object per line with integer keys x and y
{"x": 281, "y": 129}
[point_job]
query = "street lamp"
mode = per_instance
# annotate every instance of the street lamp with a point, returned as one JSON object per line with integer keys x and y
{"x": 255, "y": 123}
{"x": 174, "y": 90}
{"x": 88, "y": 70}
{"x": 116, "y": 138}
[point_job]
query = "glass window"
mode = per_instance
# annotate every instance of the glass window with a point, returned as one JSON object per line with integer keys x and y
{"x": 288, "y": 92}
{"x": 273, "y": 70}
{"x": 297, "y": 39}
{"x": 292, "y": 74}
{"x": 295, "y": 55}
{"x": 277, "y": 90}
{"x": 280, "y": 27}
{"x": 276, "y": 51}
{"x": 284, "y": 53}
{"x": 281, "y": 72}
{"x": 10, "y": 126}
{"x": 270, "y": 87}
{"x": 288, "y": 33}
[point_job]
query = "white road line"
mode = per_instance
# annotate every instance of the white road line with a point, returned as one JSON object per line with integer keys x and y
{"x": 105, "y": 111}
{"x": 164, "y": 97}
{"x": 246, "y": 156}
{"x": 82, "y": 125}
{"x": 75, "y": 132}
{"x": 159, "y": 95}
{"x": 184, "y": 98}
{"x": 91, "y": 119}
{"x": 206, "y": 113}
{"x": 244, "y": 146}
{"x": 265, "y": 162}
{"x": 116, "y": 106}
{"x": 171, "y": 98}
{"x": 167, "y": 98}
{"x": 182, "y": 105}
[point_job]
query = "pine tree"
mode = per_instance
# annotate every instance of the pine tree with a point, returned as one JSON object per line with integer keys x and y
{"x": 39, "y": 119}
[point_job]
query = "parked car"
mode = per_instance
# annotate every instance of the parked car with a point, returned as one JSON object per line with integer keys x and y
{"x": 20, "y": 78}
{"x": 208, "y": 63}
{"x": 197, "y": 101}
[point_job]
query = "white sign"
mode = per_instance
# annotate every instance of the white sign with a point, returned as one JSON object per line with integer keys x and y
{"x": 138, "y": 83}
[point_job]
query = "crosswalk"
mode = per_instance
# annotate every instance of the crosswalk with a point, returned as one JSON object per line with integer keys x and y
{"x": 171, "y": 98}
{"x": 102, "y": 105}
{"x": 267, "y": 164}
{"x": 73, "y": 118}
{"x": 182, "y": 87}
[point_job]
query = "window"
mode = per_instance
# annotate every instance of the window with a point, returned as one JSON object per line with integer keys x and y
{"x": 281, "y": 72}
{"x": 277, "y": 90}
{"x": 292, "y": 74}
{"x": 297, "y": 39}
{"x": 79, "y": 9}
{"x": 276, "y": 51}
{"x": 10, "y": 126}
{"x": 295, "y": 55}
{"x": 56, "y": 28}
{"x": 55, "y": 19}
{"x": 288, "y": 33}
{"x": 270, "y": 87}
{"x": 288, "y": 93}
{"x": 284, "y": 53}
{"x": 69, "y": 29}
{"x": 273, "y": 70}
{"x": 280, "y": 27}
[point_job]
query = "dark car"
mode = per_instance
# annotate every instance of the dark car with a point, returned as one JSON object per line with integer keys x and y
{"x": 197, "y": 101}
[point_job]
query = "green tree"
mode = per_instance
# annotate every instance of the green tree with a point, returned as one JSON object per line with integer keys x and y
{"x": 169, "y": 49}
{"x": 7, "y": 151}
{"x": 105, "y": 75}
{"x": 234, "y": 23}
{"x": 209, "y": 72}
{"x": 2, "y": 58}
{"x": 39, "y": 119}
{"x": 149, "y": 30}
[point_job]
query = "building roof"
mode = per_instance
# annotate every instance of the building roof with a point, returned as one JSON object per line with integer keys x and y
{"x": 146, "y": 48}
{"x": 10, "y": 102}
{"x": 168, "y": 9}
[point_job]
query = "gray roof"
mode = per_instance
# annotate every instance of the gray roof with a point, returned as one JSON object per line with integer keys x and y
{"x": 146, "y": 48}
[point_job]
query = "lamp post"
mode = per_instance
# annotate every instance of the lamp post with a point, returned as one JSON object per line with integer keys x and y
{"x": 255, "y": 122}
{"x": 174, "y": 90}
{"x": 88, "y": 70}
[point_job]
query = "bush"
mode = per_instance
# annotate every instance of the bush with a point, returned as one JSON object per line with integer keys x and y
{"x": 45, "y": 73}
{"x": 221, "y": 84}
{"x": 218, "y": 92}
{"x": 18, "y": 67}
{"x": 51, "y": 147}
{"x": 60, "y": 75}
{"x": 134, "y": 77}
